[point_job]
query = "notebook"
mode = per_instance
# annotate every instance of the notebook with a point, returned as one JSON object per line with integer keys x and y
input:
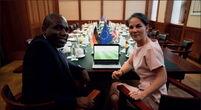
{"x": 106, "y": 56}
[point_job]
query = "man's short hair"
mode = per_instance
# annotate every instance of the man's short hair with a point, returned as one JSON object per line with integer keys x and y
{"x": 49, "y": 19}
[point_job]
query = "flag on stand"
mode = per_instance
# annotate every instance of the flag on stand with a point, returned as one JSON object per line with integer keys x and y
{"x": 96, "y": 35}
{"x": 115, "y": 35}
{"x": 105, "y": 36}
{"x": 102, "y": 18}
{"x": 95, "y": 38}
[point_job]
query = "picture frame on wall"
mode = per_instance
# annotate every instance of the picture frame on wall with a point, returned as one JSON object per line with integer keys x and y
{"x": 195, "y": 7}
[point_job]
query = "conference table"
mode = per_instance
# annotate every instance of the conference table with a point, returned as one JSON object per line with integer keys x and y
{"x": 173, "y": 63}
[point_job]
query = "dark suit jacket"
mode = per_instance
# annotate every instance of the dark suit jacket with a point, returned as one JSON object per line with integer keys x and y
{"x": 46, "y": 75}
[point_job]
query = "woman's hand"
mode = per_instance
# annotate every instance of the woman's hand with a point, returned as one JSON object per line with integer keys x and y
{"x": 137, "y": 95}
{"x": 116, "y": 74}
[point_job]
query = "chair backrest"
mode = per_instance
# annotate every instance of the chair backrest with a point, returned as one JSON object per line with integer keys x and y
{"x": 78, "y": 24}
{"x": 186, "y": 45}
{"x": 13, "y": 103}
{"x": 162, "y": 39}
{"x": 75, "y": 26}
{"x": 71, "y": 28}
{"x": 154, "y": 34}
{"x": 162, "y": 36}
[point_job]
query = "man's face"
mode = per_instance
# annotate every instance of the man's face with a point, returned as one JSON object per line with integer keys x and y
{"x": 56, "y": 33}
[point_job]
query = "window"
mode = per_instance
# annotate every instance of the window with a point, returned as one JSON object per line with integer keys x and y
{"x": 154, "y": 10}
{"x": 178, "y": 12}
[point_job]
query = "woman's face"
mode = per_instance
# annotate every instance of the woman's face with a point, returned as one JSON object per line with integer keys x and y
{"x": 137, "y": 29}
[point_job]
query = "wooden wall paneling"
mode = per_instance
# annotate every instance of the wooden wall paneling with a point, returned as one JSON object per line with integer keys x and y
{"x": 119, "y": 21}
{"x": 80, "y": 14}
{"x": 195, "y": 35}
{"x": 157, "y": 10}
{"x": 161, "y": 27}
{"x": 124, "y": 9}
{"x": 152, "y": 24}
{"x": 185, "y": 19}
{"x": 88, "y": 21}
{"x": 38, "y": 9}
{"x": 45, "y": 7}
{"x": 56, "y": 3}
{"x": 175, "y": 32}
{"x": 53, "y": 6}
{"x": 5, "y": 18}
{"x": 148, "y": 9}
{"x": 34, "y": 9}
{"x": 101, "y": 8}
{"x": 30, "y": 11}
{"x": 168, "y": 15}
{"x": 34, "y": 19}
{"x": 15, "y": 28}
{"x": 168, "y": 12}
{"x": 71, "y": 22}
{"x": 50, "y": 5}
{"x": 41, "y": 11}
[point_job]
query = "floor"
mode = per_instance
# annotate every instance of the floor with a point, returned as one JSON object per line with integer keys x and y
{"x": 14, "y": 80}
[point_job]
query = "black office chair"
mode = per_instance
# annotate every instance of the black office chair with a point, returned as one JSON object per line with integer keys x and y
{"x": 167, "y": 102}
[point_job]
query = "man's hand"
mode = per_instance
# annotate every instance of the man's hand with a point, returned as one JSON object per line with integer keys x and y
{"x": 85, "y": 102}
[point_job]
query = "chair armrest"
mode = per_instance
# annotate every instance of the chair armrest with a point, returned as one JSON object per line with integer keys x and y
{"x": 172, "y": 45}
{"x": 92, "y": 95}
{"x": 138, "y": 103}
{"x": 19, "y": 69}
{"x": 180, "y": 85}
{"x": 184, "y": 87}
{"x": 182, "y": 52}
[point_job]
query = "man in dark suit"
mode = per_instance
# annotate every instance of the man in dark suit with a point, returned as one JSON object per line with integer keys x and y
{"x": 47, "y": 74}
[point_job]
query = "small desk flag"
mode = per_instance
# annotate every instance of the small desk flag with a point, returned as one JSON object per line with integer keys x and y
{"x": 105, "y": 36}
